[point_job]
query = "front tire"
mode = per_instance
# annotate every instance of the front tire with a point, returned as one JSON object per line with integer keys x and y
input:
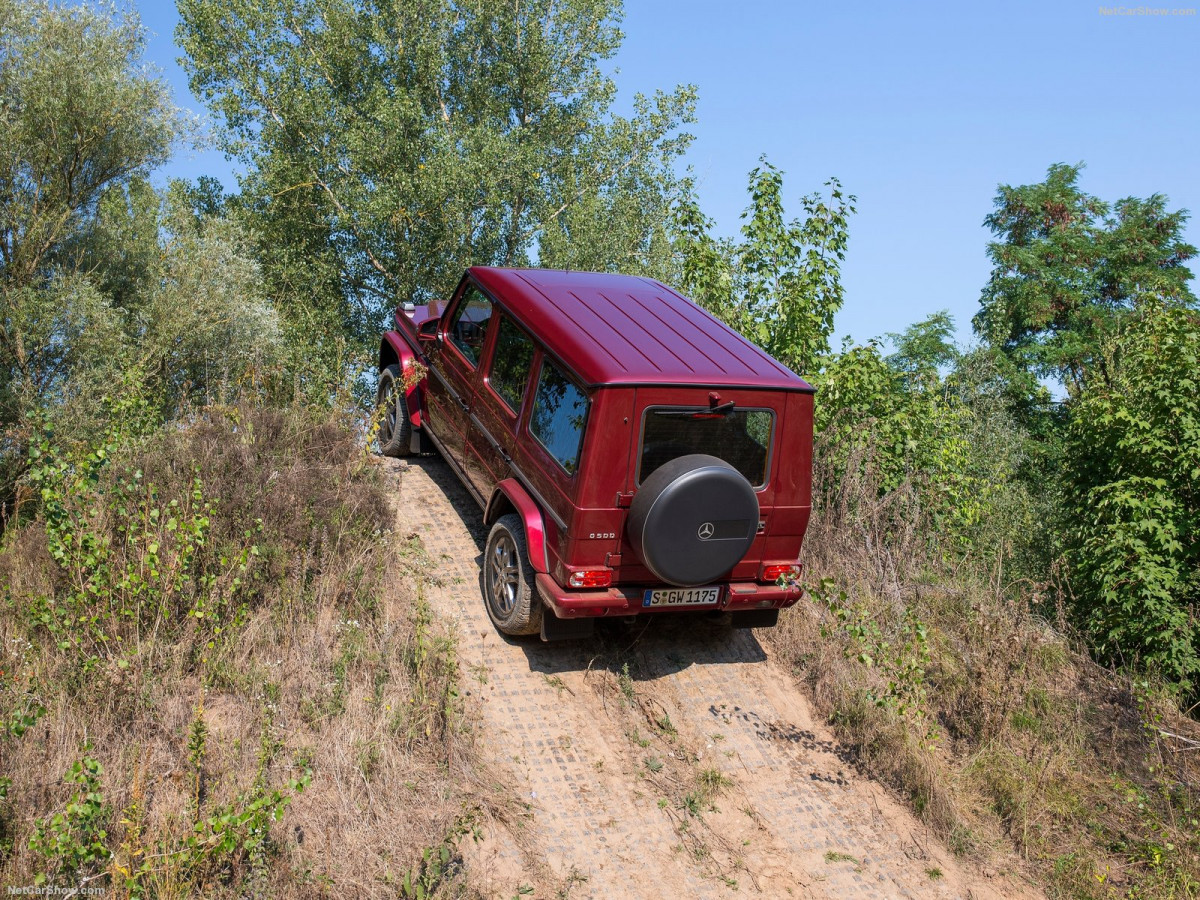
{"x": 395, "y": 429}
{"x": 509, "y": 592}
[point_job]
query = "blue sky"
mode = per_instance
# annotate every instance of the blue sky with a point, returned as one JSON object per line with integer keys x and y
{"x": 920, "y": 109}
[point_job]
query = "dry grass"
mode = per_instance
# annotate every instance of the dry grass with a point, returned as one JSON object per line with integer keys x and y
{"x": 1012, "y": 745}
{"x": 317, "y": 663}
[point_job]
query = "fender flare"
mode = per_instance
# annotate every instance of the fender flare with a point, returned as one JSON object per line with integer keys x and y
{"x": 531, "y": 515}
{"x": 414, "y": 397}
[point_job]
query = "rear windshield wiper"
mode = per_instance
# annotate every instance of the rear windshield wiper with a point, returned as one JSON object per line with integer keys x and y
{"x": 717, "y": 411}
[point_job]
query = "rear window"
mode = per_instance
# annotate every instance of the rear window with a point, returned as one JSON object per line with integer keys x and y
{"x": 559, "y": 411}
{"x": 741, "y": 437}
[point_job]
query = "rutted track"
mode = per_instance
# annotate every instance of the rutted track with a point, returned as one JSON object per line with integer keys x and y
{"x": 797, "y": 821}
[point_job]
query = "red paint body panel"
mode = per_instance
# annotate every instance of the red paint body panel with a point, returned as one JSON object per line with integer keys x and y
{"x": 406, "y": 356}
{"x": 527, "y": 509}
{"x": 621, "y": 329}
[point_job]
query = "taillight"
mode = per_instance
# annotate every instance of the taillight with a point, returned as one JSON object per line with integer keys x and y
{"x": 591, "y": 578}
{"x": 773, "y": 572}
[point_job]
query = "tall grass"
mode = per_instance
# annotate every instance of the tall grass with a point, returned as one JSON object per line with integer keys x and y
{"x": 951, "y": 685}
{"x": 219, "y": 677}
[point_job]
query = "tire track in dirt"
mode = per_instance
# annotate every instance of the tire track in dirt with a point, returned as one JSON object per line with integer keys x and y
{"x": 606, "y": 756}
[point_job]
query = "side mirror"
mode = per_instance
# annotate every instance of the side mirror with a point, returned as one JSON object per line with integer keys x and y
{"x": 428, "y": 330}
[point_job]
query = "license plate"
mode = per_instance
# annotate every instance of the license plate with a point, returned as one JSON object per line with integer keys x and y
{"x": 701, "y": 596}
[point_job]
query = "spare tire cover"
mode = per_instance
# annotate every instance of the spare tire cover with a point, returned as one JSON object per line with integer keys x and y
{"x": 693, "y": 520}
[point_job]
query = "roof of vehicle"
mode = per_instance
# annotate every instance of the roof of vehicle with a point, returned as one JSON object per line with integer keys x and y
{"x": 625, "y": 329}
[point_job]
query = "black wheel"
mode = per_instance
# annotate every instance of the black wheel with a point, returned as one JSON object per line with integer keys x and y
{"x": 508, "y": 580}
{"x": 693, "y": 519}
{"x": 395, "y": 429}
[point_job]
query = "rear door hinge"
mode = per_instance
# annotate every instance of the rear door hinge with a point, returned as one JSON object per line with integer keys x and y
{"x": 624, "y": 501}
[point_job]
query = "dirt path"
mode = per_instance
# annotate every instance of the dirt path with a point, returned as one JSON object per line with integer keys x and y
{"x": 673, "y": 760}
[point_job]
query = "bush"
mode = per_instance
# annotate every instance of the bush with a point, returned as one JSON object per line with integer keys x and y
{"x": 149, "y": 605}
{"x": 905, "y": 430}
{"x": 1134, "y": 495}
{"x": 1003, "y": 735}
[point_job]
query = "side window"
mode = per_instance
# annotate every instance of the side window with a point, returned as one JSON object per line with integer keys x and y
{"x": 511, "y": 363}
{"x": 559, "y": 411}
{"x": 468, "y": 327}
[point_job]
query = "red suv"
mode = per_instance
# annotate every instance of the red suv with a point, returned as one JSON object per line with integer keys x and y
{"x": 630, "y": 452}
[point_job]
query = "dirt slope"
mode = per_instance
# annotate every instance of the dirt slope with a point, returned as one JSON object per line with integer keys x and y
{"x": 673, "y": 760}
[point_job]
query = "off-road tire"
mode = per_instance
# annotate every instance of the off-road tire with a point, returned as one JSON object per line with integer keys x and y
{"x": 395, "y": 429}
{"x": 509, "y": 591}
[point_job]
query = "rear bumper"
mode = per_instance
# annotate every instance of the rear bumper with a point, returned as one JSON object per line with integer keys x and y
{"x": 626, "y": 600}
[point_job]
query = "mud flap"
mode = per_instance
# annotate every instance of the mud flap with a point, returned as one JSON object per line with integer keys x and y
{"x": 756, "y": 618}
{"x": 420, "y": 444}
{"x": 556, "y": 629}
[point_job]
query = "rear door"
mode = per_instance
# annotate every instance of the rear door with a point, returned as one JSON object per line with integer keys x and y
{"x": 741, "y": 427}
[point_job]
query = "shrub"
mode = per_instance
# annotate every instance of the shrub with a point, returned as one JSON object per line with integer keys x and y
{"x": 1134, "y": 494}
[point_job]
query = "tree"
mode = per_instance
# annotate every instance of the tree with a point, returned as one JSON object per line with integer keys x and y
{"x": 880, "y": 426}
{"x": 924, "y": 347}
{"x": 781, "y": 285}
{"x": 80, "y": 120}
{"x": 390, "y": 145}
{"x": 1134, "y": 495}
{"x": 1069, "y": 271}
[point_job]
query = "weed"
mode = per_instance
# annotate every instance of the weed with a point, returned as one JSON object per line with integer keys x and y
{"x": 625, "y": 683}
{"x": 666, "y": 726}
{"x": 440, "y": 864}
{"x": 834, "y": 856}
{"x": 574, "y": 878}
{"x": 72, "y": 845}
{"x": 713, "y": 782}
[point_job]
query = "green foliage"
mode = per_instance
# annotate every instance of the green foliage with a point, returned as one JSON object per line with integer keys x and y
{"x": 80, "y": 120}
{"x": 20, "y": 708}
{"x": 874, "y": 418}
{"x": 1013, "y": 463}
{"x": 72, "y": 844}
{"x": 440, "y": 865}
{"x": 101, "y": 276}
{"x": 205, "y": 328}
{"x": 132, "y": 563}
{"x": 1134, "y": 494}
{"x": 79, "y": 117}
{"x": 391, "y": 145}
{"x": 898, "y": 651}
{"x": 781, "y": 285}
{"x": 1069, "y": 269}
{"x": 213, "y": 840}
{"x": 924, "y": 347}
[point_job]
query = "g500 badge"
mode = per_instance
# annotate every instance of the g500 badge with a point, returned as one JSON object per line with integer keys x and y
{"x": 602, "y": 535}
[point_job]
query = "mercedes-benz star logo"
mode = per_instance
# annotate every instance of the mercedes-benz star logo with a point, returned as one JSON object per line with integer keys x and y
{"x": 705, "y": 531}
